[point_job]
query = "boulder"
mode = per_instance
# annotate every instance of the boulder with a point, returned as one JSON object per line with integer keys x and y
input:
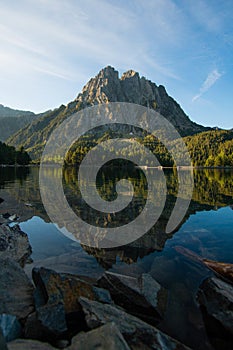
{"x": 53, "y": 287}
{"x": 26, "y": 344}
{"x": 143, "y": 297}
{"x": 137, "y": 333}
{"x": 52, "y": 317}
{"x": 215, "y": 297}
{"x": 14, "y": 243}
{"x": 105, "y": 337}
{"x": 47, "y": 323}
{"x": 11, "y": 328}
{"x": 16, "y": 290}
{"x": 58, "y": 313}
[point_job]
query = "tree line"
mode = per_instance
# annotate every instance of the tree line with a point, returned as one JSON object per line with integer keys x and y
{"x": 10, "y": 156}
{"x": 208, "y": 149}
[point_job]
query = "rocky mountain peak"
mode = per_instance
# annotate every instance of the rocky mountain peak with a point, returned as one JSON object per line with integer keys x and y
{"x": 129, "y": 74}
{"x": 103, "y": 88}
{"x": 130, "y": 87}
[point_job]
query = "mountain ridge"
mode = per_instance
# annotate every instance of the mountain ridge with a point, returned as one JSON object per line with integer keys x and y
{"x": 10, "y": 112}
{"x": 12, "y": 120}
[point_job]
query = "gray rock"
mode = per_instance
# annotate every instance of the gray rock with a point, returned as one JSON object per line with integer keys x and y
{"x": 24, "y": 344}
{"x": 107, "y": 337}
{"x": 14, "y": 243}
{"x": 143, "y": 297}
{"x": 138, "y": 334}
{"x": 48, "y": 323}
{"x": 16, "y": 290}
{"x": 3, "y": 345}
{"x": 11, "y": 328}
{"x": 33, "y": 329}
{"x": 52, "y": 317}
{"x": 216, "y": 299}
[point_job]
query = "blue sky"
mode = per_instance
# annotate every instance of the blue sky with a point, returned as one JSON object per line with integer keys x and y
{"x": 51, "y": 48}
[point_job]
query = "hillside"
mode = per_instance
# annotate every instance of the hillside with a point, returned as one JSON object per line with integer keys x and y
{"x": 212, "y": 148}
{"x": 12, "y": 120}
{"x": 107, "y": 86}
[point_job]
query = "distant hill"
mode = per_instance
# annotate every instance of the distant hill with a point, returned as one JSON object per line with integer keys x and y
{"x": 12, "y": 120}
{"x": 107, "y": 86}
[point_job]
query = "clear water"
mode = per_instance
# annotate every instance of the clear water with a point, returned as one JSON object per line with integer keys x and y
{"x": 206, "y": 230}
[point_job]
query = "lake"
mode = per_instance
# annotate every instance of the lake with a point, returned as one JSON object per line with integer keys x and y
{"x": 206, "y": 229}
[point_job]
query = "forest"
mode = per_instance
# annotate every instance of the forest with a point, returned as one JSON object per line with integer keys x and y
{"x": 207, "y": 149}
{"x": 10, "y": 156}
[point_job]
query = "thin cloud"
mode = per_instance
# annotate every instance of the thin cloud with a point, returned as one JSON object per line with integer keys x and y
{"x": 60, "y": 35}
{"x": 208, "y": 83}
{"x": 53, "y": 73}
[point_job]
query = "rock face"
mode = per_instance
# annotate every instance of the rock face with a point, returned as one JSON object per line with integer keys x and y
{"x": 16, "y": 290}
{"x": 130, "y": 87}
{"x": 138, "y": 334}
{"x": 216, "y": 299}
{"x": 14, "y": 243}
{"x": 104, "y": 338}
{"x": 143, "y": 297}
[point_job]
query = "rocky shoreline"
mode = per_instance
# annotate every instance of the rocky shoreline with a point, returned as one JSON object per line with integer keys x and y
{"x": 62, "y": 310}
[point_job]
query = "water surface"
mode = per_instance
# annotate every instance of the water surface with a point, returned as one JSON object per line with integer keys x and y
{"x": 206, "y": 230}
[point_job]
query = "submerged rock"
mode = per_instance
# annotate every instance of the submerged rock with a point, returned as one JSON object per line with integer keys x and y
{"x": 105, "y": 337}
{"x": 16, "y": 290}
{"x": 137, "y": 333}
{"x": 11, "y": 328}
{"x": 143, "y": 297}
{"x": 221, "y": 269}
{"x": 224, "y": 270}
{"x": 216, "y": 300}
{"x": 14, "y": 243}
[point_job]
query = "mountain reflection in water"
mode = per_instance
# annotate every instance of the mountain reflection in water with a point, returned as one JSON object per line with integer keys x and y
{"x": 206, "y": 229}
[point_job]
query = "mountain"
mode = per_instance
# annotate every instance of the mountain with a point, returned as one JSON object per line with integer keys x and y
{"x": 106, "y": 87}
{"x": 12, "y": 120}
{"x": 130, "y": 87}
